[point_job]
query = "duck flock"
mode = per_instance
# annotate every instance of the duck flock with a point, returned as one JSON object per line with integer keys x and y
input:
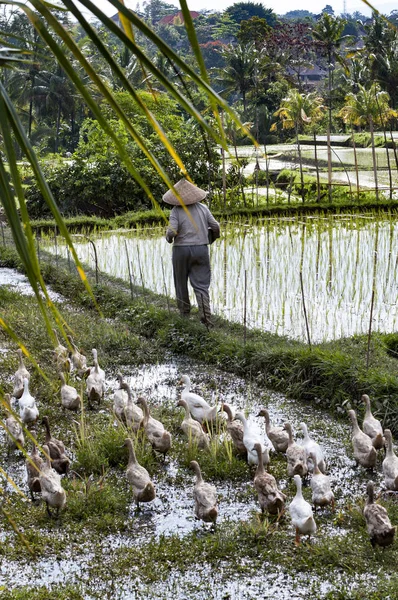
{"x": 306, "y": 462}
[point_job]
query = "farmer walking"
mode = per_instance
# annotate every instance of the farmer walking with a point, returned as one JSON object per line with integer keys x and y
{"x": 191, "y": 227}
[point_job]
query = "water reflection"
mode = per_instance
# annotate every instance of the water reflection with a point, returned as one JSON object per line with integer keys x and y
{"x": 335, "y": 254}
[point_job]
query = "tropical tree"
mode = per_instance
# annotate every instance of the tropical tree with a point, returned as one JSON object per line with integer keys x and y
{"x": 368, "y": 107}
{"x": 255, "y": 31}
{"x": 292, "y": 46}
{"x": 329, "y": 33}
{"x": 240, "y": 71}
{"x": 55, "y": 99}
{"x": 297, "y": 112}
{"x": 381, "y": 47}
{"x": 243, "y": 11}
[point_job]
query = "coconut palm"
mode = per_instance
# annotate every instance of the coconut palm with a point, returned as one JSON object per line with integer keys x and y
{"x": 24, "y": 77}
{"x": 381, "y": 51}
{"x": 239, "y": 74}
{"x": 328, "y": 32}
{"x": 368, "y": 107}
{"x": 298, "y": 111}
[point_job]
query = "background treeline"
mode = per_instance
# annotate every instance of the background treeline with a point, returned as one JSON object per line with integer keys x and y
{"x": 257, "y": 60}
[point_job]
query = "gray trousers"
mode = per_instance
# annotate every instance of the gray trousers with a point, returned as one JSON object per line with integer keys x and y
{"x": 193, "y": 263}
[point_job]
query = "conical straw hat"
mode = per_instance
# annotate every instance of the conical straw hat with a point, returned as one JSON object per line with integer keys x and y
{"x": 189, "y": 193}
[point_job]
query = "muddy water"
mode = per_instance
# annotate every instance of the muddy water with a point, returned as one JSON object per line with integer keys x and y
{"x": 172, "y": 512}
{"x": 19, "y": 283}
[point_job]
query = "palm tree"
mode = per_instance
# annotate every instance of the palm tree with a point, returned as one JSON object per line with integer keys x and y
{"x": 328, "y": 32}
{"x": 381, "y": 48}
{"x": 296, "y": 112}
{"x": 55, "y": 99}
{"x": 239, "y": 74}
{"x": 22, "y": 80}
{"x": 368, "y": 107}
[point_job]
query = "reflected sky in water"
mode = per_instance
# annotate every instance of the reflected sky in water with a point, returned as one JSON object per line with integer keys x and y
{"x": 341, "y": 259}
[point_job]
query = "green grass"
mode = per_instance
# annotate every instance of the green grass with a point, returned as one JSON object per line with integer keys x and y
{"x": 99, "y": 501}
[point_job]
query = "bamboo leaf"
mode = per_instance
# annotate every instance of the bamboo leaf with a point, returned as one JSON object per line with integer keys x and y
{"x": 126, "y": 25}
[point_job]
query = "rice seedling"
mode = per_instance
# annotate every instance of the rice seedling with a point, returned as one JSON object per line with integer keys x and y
{"x": 334, "y": 258}
{"x": 260, "y": 527}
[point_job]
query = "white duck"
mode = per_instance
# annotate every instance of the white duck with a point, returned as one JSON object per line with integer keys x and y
{"x": 312, "y": 447}
{"x": 301, "y": 513}
{"x": 296, "y": 457}
{"x": 60, "y": 349}
{"x": 70, "y": 399}
{"x": 270, "y": 497}
{"x": 322, "y": 494}
{"x": 198, "y": 407}
{"x": 138, "y": 478}
{"x": 364, "y": 452}
{"x": 78, "y": 360}
{"x": 390, "y": 464}
{"x": 95, "y": 383}
{"x": 159, "y": 438}
{"x": 371, "y": 426}
{"x": 378, "y": 523}
{"x": 100, "y": 371}
{"x": 20, "y": 374}
{"x": 235, "y": 430}
{"x": 27, "y": 405}
{"x": 13, "y": 428}
{"x": 193, "y": 429}
{"x": 134, "y": 414}
{"x": 120, "y": 400}
{"x": 251, "y": 437}
{"x": 205, "y": 496}
{"x": 278, "y": 435}
{"x": 52, "y": 491}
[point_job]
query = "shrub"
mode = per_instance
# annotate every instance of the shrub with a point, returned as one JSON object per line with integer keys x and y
{"x": 96, "y": 182}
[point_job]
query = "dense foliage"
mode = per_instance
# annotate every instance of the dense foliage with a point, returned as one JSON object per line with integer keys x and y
{"x": 95, "y": 181}
{"x": 255, "y": 59}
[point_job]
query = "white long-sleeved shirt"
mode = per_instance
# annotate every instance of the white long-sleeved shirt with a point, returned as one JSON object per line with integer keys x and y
{"x": 186, "y": 231}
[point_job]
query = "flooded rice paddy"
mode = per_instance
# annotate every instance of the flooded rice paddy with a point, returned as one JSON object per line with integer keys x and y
{"x": 171, "y": 514}
{"x": 257, "y": 270}
{"x": 343, "y": 160}
{"x": 92, "y": 565}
